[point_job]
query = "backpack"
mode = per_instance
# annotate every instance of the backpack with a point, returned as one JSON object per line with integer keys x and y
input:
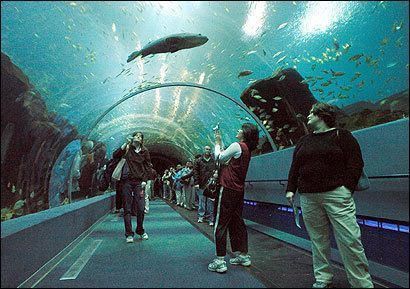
{"x": 105, "y": 178}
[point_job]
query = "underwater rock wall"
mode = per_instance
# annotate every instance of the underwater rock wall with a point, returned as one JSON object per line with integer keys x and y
{"x": 283, "y": 101}
{"x": 31, "y": 140}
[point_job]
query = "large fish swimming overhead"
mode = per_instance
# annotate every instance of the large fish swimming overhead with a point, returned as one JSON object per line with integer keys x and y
{"x": 171, "y": 43}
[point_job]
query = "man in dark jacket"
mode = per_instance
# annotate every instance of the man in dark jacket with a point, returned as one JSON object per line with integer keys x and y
{"x": 134, "y": 174}
{"x": 203, "y": 170}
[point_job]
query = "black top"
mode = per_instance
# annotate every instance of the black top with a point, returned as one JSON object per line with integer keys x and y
{"x": 203, "y": 170}
{"x": 138, "y": 165}
{"x": 325, "y": 161}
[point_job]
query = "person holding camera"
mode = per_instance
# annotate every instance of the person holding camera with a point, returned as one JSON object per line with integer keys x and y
{"x": 230, "y": 198}
{"x": 133, "y": 172}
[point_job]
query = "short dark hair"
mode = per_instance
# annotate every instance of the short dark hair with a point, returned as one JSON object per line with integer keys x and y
{"x": 250, "y": 135}
{"x": 325, "y": 112}
{"x": 142, "y": 135}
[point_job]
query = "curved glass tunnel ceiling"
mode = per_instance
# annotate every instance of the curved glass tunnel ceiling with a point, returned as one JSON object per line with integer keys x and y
{"x": 75, "y": 53}
{"x": 179, "y": 116}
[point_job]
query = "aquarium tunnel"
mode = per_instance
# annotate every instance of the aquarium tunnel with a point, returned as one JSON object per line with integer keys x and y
{"x": 80, "y": 78}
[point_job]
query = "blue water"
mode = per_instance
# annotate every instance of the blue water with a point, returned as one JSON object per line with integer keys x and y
{"x": 72, "y": 51}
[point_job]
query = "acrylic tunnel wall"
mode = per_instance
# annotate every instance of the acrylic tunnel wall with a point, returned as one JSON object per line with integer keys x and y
{"x": 65, "y": 63}
{"x": 69, "y": 98}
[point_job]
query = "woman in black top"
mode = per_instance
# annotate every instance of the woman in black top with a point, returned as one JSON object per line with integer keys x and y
{"x": 326, "y": 168}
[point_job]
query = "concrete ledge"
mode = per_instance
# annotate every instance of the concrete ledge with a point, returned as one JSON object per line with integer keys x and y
{"x": 28, "y": 242}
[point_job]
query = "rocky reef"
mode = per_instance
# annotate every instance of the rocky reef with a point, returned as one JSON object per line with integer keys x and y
{"x": 365, "y": 113}
{"x": 283, "y": 101}
{"x": 31, "y": 141}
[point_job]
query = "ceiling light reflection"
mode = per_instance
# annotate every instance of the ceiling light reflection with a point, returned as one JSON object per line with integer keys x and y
{"x": 255, "y": 19}
{"x": 322, "y": 15}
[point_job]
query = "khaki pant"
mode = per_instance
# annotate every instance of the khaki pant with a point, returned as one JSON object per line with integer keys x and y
{"x": 335, "y": 207}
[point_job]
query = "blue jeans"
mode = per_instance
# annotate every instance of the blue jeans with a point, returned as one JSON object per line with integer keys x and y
{"x": 205, "y": 206}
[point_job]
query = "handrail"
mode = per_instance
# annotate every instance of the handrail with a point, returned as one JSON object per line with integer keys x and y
{"x": 395, "y": 176}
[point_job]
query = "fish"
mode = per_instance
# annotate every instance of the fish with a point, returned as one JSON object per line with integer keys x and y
{"x": 384, "y": 41}
{"x": 397, "y": 26}
{"x": 277, "y": 53}
{"x": 171, "y": 43}
{"x": 257, "y": 96}
{"x": 356, "y": 76}
{"x": 283, "y": 25}
{"x": 327, "y": 83}
{"x": 337, "y": 73}
{"x": 346, "y": 88}
{"x": 245, "y": 73}
{"x": 282, "y": 77}
{"x": 274, "y": 109}
{"x": 398, "y": 42}
{"x": 253, "y": 92}
{"x": 346, "y": 47}
{"x": 336, "y": 44}
{"x": 251, "y": 52}
{"x": 281, "y": 59}
{"x": 356, "y": 57}
{"x": 360, "y": 84}
{"x": 391, "y": 64}
{"x": 277, "y": 98}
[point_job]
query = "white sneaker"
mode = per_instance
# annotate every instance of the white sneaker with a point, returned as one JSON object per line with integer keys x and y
{"x": 144, "y": 236}
{"x": 130, "y": 239}
{"x": 211, "y": 223}
{"x": 241, "y": 260}
{"x": 217, "y": 266}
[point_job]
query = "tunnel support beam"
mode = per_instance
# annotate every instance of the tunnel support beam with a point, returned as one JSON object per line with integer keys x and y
{"x": 185, "y": 84}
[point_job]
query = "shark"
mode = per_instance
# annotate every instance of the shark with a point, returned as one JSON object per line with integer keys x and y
{"x": 171, "y": 43}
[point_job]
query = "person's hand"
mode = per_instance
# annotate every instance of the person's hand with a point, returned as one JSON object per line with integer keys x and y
{"x": 218, "y": 139}
{"x": 126, "y": 144}
{"x": 143, "y": 184}
{"x": 289, "y": 196}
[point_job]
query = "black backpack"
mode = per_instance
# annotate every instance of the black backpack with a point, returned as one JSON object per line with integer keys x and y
{"x": 105, "y": 178}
